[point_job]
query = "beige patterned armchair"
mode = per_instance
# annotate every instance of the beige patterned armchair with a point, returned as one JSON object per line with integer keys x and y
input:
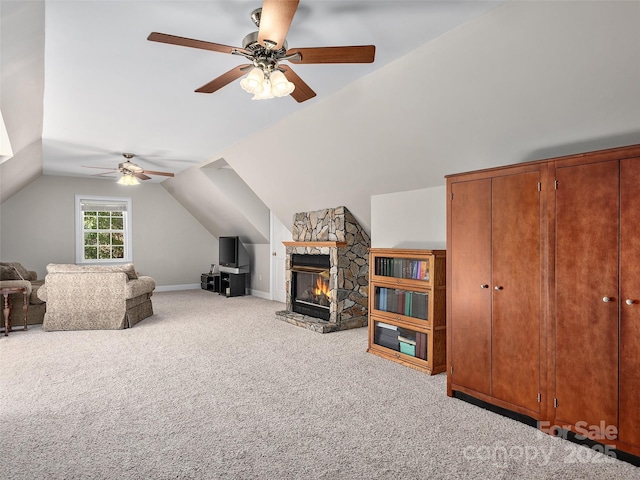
{"x": 95, "y": 297}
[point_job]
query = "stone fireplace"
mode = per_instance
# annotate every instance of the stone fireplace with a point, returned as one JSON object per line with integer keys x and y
{"x": 327, "y": 271}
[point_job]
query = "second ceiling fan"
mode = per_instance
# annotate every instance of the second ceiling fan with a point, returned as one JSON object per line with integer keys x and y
{"x": 266, "y": 48}
{"x": 129, "y": 171}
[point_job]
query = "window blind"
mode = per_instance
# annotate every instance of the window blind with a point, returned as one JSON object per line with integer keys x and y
{"x": 102, "y": 207}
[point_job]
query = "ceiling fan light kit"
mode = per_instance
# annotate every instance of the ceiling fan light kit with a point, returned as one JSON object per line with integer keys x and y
{"x": 265, "y": 85}
{"x": 128, "y": 179}
{"x": 280, "y": 86}
{"x": 252, "y": 83}
{"x": 265, "y": 91}
{"x": 266, "y": 48}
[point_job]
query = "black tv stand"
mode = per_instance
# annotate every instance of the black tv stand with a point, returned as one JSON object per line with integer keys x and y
{"x": 232, "y": 284}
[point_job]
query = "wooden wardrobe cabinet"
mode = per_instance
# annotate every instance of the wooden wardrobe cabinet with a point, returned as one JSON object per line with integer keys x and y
{"x": 543, "y": 292}
{"x": 495, "y": 228}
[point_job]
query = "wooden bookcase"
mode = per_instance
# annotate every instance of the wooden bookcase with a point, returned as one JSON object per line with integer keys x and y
{"x": 407, "y": 301}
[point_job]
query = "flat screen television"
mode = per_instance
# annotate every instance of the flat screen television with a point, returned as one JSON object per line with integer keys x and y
{"x": 232, "y": 254}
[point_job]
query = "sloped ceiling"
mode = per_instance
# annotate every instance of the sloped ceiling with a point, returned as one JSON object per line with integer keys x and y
{"x": 453, "y": 89}
{"x": 110, "y": 90}
{"x": 21, "y": 91}
{"x": 528, "y": 80}
{"x": 220, "y": 200}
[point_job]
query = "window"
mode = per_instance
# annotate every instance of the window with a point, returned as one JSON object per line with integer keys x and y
{"x": 103, "y": 229}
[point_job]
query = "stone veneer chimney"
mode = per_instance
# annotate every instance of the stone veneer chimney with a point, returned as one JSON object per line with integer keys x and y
{"x": 334, "y": 232}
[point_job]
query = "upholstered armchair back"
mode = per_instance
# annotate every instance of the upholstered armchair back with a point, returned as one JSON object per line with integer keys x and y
{"x": 94, "y": 297}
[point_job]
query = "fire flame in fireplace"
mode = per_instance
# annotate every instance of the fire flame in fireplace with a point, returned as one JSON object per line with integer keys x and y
{"x": 322, "y": 287}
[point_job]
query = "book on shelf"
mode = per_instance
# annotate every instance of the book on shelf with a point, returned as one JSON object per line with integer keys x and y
{"x": 383, "y": 298}
{"x": 424, "y": 270}
{"x": 419, "y": 305}
{"x": 421, "y": 345}
{"x": 408, "y": 303}
{"x": 393, "y": 304}
{"x": 406, "y": 340}
{"x": 401, "y": 300}
{"x": 397, "y": 267}
{"x": 386, "y": 326}
{"x": 387, "y": 266}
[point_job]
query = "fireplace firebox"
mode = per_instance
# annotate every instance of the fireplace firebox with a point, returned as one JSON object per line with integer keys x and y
{"x": 311, "y": 294}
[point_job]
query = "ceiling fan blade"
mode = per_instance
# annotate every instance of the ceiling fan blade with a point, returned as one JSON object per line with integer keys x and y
{"x": 275, "y": 21}
{"x": 151, "y": 172}
{"x": 353, "y": 54}
{"x": 302, "y": 91}
{"x": 103, "y": 168}
{"x": 224, "y": 79}
{"x": 190, "y": 42}
{"x": 141, "y": 176}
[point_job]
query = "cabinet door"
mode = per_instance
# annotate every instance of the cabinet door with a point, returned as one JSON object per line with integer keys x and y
{"x": 470, "y": 316}
{"x": 629, "y": 428}
{"x": 516, "y": 289}
{"x": 586, "y": 273}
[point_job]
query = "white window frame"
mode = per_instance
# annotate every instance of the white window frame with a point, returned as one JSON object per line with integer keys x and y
{"x": 128, "y": 228}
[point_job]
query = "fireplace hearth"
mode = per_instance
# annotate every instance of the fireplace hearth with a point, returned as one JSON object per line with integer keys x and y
{"x": 327, "y": 272}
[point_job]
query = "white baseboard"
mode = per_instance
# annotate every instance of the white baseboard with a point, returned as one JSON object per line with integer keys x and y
{"x": 258, "y": 293}
{"x": 170, "y": 288}
{"x": 195, "y": 286}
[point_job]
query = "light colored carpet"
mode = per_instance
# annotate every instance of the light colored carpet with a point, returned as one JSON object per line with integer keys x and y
{"x": 213, "y": 387}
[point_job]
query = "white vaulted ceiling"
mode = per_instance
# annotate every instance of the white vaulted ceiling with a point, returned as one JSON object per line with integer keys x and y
{"x": 455, "y": 86}
{"x": 109, "y": 90}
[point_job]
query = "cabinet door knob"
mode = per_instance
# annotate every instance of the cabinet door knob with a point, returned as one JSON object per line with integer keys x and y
{"x": 606, "y": 299}
{"x": 498, "y": 287}
{"x": 484, "y": 286}
{"x": 629, "y": 301}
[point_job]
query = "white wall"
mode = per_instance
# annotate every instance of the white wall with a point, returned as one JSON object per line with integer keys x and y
{"x": 413, "y": 219}
{"x": 37, "y": 228}
{"x": 260, "y": 255}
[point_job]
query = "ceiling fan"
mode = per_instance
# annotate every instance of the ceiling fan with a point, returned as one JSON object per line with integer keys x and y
{"x": 266, "y": 48}
{"x": 130, "y": 171}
